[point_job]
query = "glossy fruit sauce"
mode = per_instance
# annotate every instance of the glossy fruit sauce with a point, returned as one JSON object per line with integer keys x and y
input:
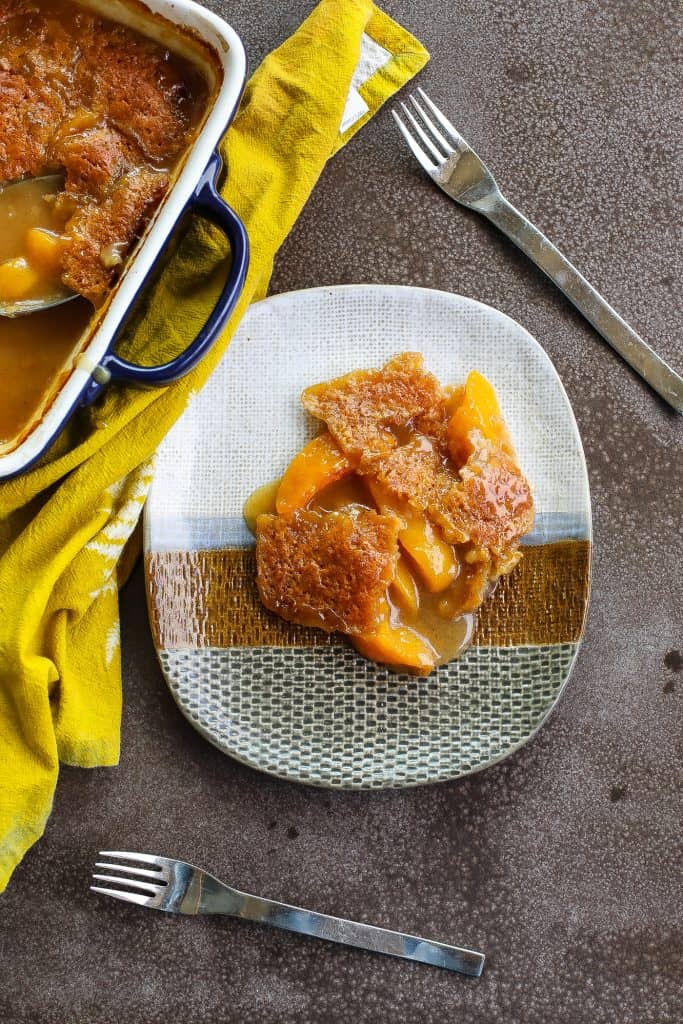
{"x": 107, "y": 113}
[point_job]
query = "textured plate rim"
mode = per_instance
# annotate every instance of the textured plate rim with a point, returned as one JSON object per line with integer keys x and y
{"x": 286, "y": 298}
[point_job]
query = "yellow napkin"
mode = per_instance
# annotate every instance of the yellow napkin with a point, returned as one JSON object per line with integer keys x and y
{"x": 65, "y": 524}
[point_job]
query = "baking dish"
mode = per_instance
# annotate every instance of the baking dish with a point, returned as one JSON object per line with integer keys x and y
{"x": 216, "y": 49}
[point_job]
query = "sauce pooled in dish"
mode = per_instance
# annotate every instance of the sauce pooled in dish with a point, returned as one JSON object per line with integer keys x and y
{"x": 107, "y": 109}
{"x": 109, "y": 113}
{"x": 393, "y": 525}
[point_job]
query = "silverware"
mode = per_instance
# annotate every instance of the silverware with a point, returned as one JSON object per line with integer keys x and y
{"x": 57, "y": 293}
{"x": 180, "y": 888}
{"x": 448, "y": 160}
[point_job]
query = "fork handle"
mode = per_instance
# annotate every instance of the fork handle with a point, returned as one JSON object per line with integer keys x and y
{"x": 365, "y": 936}
{"x": 623, "y": 339}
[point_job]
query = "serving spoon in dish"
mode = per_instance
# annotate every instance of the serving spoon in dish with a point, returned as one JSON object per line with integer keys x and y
{"x": 29, "y": 243}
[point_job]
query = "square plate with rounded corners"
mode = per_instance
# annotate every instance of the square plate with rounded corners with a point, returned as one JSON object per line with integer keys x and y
{"x": 297, "y": 703}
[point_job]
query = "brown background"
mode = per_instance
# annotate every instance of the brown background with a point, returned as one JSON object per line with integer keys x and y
{"x": 560, "y": 863}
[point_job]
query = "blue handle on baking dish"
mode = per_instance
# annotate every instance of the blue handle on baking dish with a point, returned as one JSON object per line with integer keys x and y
{"x": 208, "y": 203}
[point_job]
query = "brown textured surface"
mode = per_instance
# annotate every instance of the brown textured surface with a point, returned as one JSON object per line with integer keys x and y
{"x": 214, "y": 603}
{"x": 209, "y": 599}
{"x": 361, "y": 408}
{"x": 542, "y": 601}
{"x": 561, "y": 862}
{"x": 63, "y": 72}
{"x": 329, "y": 569}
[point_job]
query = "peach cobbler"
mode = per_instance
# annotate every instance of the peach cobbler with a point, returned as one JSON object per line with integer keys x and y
{"x": 95, "y": 120}
{"x": 395, "y": 522}
{"x": 107, "y": 110}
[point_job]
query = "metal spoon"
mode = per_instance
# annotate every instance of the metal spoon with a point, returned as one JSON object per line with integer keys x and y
{"x": 25, "y": 306}
{"x": 57, "y": 294}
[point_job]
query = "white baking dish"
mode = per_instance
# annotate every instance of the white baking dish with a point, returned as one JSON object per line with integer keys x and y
{"x": 216, "y": 48}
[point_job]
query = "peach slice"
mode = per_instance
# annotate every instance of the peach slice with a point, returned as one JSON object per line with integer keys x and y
{"x": 396, "y": 645}
{"x": 320, "y": 463}
{"x": 477, "y": 410}
{"x": 80, "y": 121}
{"x": 44, "y": 251}
{"x": 434, "y": 558}
{"x": 17, "y": 279}
{"x": 403, "y": 588}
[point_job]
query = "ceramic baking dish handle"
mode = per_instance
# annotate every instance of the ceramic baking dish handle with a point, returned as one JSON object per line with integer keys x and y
{"x": 207, "y": 203}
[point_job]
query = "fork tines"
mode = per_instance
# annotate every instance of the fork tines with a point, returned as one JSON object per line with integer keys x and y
{"x": 142, "y": 885}
{"x": 438, "y": 143}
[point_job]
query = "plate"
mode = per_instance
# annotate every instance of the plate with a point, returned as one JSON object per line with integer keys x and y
{"x": 298, "y": 703}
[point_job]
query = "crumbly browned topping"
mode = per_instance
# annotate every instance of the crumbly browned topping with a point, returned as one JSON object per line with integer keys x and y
{"x": 109, "y": 107}
{"x": 458, "y": 519}
{"x": 366, "y": 410}
{"x": 494, "y": 501}
{"x": 145, "y": 95}
{"x": 487, "y": 502}
{"x": 414, "y": 472}
{"x": 490, "y": 504}
{"x": 27, "y": 108}
{"x": 94, "y": 159}
{"x": 115, "y": 220}
{"x": 328, "y": 570}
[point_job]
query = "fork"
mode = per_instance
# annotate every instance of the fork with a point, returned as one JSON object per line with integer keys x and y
{"x": 454, "y": 166}
{"x": 181, "y": 888}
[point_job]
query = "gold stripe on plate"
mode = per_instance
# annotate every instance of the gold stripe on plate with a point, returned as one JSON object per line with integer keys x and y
{"x": 209, "y": 599}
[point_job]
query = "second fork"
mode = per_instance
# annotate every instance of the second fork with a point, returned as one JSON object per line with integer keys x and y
{"x": 454, "y": 166}
{"x": 180, "y": 888}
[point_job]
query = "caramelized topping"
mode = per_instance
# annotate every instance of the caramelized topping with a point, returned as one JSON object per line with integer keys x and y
{"x": 439, "y": 467}
{"x": 94, "y": 228}
{"x": 491, "y": 506}
{"x": 94, "y": 159}
{"x": 104, "y": 106}
{"x": 328, "y": 570}
{"x": 415, "y": 472}
{"x": 364, "y": 410}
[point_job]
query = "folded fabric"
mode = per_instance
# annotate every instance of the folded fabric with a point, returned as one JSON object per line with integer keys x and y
{"x": 65, "y": 525}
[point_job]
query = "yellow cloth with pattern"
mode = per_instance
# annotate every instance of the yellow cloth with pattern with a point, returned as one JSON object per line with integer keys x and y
{"x": 65, "y": 525}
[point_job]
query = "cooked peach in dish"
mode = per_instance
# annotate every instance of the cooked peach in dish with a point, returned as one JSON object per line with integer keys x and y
{"x": 95, "y": 120}
{"x": 109, "y": 111}
{"x": 394, "y": 523}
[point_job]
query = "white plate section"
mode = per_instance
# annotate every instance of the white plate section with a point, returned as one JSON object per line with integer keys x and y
{"x": 246, "y": 424}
